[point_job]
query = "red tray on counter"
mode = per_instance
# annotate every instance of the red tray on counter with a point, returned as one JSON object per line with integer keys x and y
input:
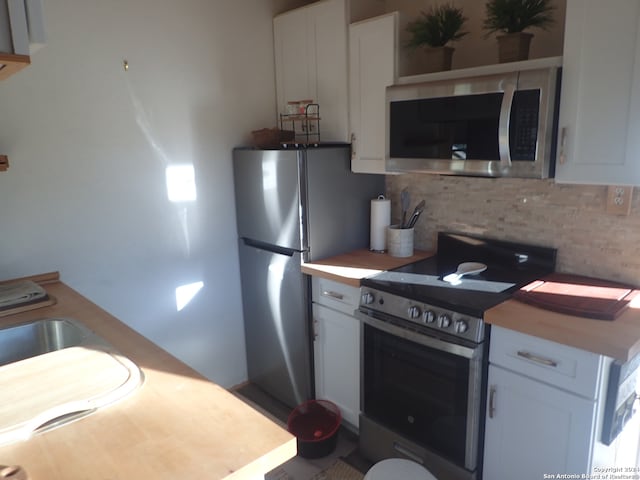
{"x": 578, "y": 295}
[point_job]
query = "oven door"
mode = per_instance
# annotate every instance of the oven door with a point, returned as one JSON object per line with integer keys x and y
{"x": 426, "y": 389}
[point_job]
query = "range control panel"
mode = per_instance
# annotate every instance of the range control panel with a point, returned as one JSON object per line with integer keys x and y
{"x": 429, "y": 316}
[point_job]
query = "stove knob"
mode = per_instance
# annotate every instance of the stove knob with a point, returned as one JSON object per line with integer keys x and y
{"x": 428, "y": 316}
{"x": 413, "y": 311}
{"x": 461, "y": 326}
{"x": 444, "y": 321}
{"x": 367, "y": 298}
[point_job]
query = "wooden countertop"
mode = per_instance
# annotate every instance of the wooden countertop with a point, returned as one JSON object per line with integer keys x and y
{"x": 352, "y": 267}
{"x": 619, "y": 339}
{"x": 177, "y": 425}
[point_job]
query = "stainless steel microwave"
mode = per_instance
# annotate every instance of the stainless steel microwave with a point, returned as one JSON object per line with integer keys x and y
{"x": 495, "y": 121}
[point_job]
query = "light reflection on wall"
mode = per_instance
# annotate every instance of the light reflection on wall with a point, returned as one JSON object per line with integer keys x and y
{"x": 181, "y": 189}
{"x": 181, "y": 183}
{"x": 186, "y": 293}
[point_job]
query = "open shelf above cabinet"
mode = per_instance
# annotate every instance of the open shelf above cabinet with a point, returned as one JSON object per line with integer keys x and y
{"x": 11, "y": 63}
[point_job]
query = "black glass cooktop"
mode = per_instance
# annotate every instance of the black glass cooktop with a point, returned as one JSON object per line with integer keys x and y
{"x": 509, "y": 266}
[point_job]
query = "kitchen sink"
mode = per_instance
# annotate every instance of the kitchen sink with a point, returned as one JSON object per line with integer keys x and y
{"x": 60, "y": 371}
{"x": 26, "y": 340}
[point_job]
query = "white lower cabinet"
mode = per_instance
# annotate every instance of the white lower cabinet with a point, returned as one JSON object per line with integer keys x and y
{"x": 543, "y": 407}
{"x": 534, "y": 429}
{"x": 337, "y": 347}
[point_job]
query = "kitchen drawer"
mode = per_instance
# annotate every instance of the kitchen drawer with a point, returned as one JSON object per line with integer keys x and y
{"x": 336, "y": 295}
{"x": 565, "y": 367}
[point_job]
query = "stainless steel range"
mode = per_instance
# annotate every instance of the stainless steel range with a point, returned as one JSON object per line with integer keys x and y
{"x": 425, "y": 348}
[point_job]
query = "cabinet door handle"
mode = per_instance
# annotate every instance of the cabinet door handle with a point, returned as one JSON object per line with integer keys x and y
{"x": 332, "y": 294}
{"x": 492, "y": 404}
{"x": 563, "y": 141}
{"x": 536, "y": 358}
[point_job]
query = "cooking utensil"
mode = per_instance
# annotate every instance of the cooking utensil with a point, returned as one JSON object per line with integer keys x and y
{"x": 405, "y": 199}
{"x": 466, "y": 268}
{"x": 416, "y": 213}
{"x": 414, "y": 219}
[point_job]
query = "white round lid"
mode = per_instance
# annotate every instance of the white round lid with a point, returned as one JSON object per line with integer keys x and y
{"x": 398, "y": 468}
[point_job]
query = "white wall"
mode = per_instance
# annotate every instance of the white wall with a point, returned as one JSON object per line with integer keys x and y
{"x": 88, "y": 144}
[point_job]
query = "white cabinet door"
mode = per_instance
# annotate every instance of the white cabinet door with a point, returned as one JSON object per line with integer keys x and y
{"x": 311, "y": 63}
{"x": 372, "y": 67}
{"x": 331, "y": 45}
{"x": 337, "y": 360}
{"x": 293, "y": 62}
{"x": 599, "y": 125}
{"x": 533, "y": 429}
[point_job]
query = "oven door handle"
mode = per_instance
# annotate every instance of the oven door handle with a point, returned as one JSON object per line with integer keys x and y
{"x": 422, "y": 339}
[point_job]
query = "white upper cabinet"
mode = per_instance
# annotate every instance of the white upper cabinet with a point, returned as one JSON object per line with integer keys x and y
{"x": 599, "y": 124}
{"x": 372, "y": 67}
{"x": 311, "y": 63}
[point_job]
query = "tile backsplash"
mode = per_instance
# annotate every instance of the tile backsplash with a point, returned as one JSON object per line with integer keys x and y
{"x": 571, "y": 218}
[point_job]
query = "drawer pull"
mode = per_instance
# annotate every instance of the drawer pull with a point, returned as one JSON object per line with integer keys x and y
{"x": 535, "y": 358}
{"x": 332, "y": 294}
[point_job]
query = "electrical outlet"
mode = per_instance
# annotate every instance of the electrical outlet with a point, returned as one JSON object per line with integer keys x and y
{"x": 619, "y": 200}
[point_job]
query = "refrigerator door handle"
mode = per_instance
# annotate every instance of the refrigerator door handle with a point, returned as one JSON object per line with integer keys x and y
{"x": 269, "y": 247}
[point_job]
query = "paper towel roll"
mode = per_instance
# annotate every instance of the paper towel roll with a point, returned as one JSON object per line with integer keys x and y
{"x": 380, "y": 219}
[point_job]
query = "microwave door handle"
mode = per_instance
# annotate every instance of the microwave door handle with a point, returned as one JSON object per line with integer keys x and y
{"x": 503, "y": 126}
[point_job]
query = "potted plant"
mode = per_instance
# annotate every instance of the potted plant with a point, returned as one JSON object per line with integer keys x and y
{"x": 510, "y": 18}
{"x": 433, "y": 30}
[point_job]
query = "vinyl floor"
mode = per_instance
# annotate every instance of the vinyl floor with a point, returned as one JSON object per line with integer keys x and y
{"x": 299, "y": 468}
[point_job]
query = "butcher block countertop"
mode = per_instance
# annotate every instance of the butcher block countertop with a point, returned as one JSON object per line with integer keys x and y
{"x": 619, "y": 338}
{"x": 352, "y": 267}
{"x": 177, "y": 425}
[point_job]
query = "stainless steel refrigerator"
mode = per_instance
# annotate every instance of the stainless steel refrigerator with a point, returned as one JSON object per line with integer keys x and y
{"x": 292, "y": 206}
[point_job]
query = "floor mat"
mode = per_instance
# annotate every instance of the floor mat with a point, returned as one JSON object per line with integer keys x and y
{"x": 340, "y": 470}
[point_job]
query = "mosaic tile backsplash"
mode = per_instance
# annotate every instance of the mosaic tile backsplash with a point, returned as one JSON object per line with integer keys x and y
{"x": 571, "y": 218}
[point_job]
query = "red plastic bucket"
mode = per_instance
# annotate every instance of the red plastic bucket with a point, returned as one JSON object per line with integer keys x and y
{"x": 315, "y": 424}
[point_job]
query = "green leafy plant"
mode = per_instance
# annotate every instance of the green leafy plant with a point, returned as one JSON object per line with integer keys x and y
{"x": 437, "y": 27}
{"x": 511, "y": 16}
